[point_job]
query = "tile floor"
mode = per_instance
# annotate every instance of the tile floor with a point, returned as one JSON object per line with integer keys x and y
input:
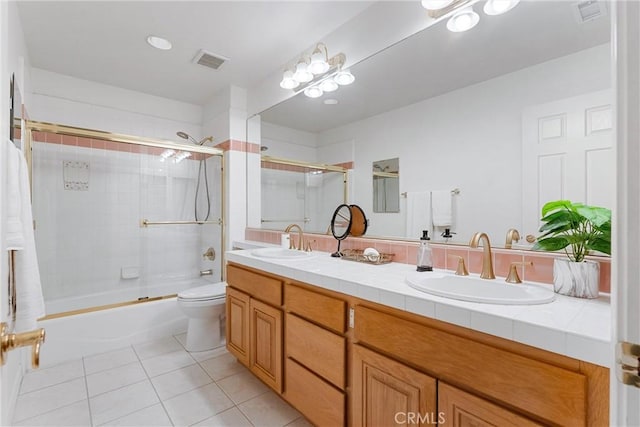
{"x": 157, "y": 383}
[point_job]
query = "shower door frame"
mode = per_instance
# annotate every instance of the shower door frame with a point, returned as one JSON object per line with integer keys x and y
{"x": 37, "y": 126}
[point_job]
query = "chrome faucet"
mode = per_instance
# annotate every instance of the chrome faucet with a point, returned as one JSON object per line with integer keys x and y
{"x": 487, "y": 263}
{"x": 300, "y": 246}
{"x": 512, "y": 235}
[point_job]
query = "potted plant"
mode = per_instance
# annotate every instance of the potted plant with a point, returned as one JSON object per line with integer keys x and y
{"x": 577, "y": 229}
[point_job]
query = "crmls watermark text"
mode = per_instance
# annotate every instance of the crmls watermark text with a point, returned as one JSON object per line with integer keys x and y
{"x": 419, "y": 418}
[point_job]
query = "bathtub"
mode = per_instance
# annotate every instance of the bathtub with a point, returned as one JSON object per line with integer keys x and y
{"x": 75, "y": 336}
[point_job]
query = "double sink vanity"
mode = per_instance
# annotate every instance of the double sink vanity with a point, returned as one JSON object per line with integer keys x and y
{"x": 380, "y": 345}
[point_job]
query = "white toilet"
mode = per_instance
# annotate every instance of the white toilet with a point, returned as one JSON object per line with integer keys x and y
{"x": 204, "y": 306}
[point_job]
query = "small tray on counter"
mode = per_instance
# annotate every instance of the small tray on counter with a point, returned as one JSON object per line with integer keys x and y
{"x": 359, "y": 256}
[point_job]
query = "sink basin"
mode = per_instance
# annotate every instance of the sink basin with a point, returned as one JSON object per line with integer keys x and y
{"x": 469, "y": 288}
{"x": 280, "y": 253}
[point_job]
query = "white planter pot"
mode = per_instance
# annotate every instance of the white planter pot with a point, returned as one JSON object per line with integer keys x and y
{"x": 576, "y": 279}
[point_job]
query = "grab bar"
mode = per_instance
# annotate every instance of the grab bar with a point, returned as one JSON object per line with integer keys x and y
{"x": 146, "y": 222}
{"x": 285, "y": 220}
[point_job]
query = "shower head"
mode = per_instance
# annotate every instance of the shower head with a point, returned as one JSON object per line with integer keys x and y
{"x": 188, "y": 137}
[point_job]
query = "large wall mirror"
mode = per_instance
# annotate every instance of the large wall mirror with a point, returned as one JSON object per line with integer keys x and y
{"x": 504, "y": 117}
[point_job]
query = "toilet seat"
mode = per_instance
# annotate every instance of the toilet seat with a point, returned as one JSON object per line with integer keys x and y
{"x": 210, "y": 292}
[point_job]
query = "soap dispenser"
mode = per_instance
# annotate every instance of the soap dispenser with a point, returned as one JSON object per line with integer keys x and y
{"x": 424, "y": 261}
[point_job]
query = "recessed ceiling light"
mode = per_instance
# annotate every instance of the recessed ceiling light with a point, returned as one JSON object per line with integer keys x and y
{"x": 330, "y": 101}
{"x": 159, "y": 42}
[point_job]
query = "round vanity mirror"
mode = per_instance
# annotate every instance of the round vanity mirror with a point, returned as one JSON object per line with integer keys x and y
{"x": 341, "y": 225}
{"x": 358, "y": 221}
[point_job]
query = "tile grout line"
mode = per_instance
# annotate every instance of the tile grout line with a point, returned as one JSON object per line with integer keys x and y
{"x": 153, "y": 386}
{"x": 48, "y": 412}
{"x": 213, "y": 381}
{"x": 86, "y": 387}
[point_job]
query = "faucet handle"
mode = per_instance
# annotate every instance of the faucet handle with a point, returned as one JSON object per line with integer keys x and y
{"x": 307, "y": 247}
{"x": 461, "y": 269}
{"x": 513, "y": 271}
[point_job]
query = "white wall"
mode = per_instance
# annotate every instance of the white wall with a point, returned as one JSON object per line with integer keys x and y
{"x": 67, "y": 100}
{"x": 225, "y": 118}
{"x": 469, "y": 138}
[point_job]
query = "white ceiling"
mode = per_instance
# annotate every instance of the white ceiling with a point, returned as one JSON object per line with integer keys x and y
{"x": 105, "y": 41}
{"x": 436, "y": 61}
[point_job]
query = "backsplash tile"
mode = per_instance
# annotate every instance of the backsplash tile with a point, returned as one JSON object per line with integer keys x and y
{"x": 443, "y": 255}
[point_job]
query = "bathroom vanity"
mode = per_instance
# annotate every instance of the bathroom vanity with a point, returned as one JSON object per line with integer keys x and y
{"x": 352, "y": 344}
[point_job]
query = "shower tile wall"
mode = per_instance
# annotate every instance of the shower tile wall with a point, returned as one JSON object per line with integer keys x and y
{"x": 85, "y": 238}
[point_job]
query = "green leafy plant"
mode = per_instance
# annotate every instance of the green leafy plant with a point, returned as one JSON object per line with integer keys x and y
{"x": 576, "y": 226}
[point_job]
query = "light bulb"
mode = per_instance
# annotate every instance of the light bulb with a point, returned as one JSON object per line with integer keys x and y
{"x": 288, "y": 82}
{"x": 318, "y": 64}
{"x": 313, "y": 92}
{"x": 329, "y": 85}
{"x": 497, "y": 7}
{"x": 464, "y": 20}
{"x": 436, "y": 4}
{"x": 302, "y": 73}
{"x": 344, "y": 78}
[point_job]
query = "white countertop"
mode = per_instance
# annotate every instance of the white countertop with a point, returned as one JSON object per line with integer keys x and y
{"x": 573, "y": 327}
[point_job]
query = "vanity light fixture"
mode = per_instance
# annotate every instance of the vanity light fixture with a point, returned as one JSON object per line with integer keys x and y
{"x": 313, "y": 92}
{"x": 159, "y": 42}
{"x": 329, "y": 85}
{"x": 498, "y": 7}
{"x": 319, "y": 60}
{"x": 344, "y": 77}
{"x": 436, "y": 4}
{"x": 463, "y": 20}
{"x": 288, "y": 82}
{"x": 316, "y": 74}
{"x": 302, "y": 74}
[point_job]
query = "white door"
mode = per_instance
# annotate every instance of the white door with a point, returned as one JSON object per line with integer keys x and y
{"x": 567, "y": 154}
{"x": 625, "y": 399}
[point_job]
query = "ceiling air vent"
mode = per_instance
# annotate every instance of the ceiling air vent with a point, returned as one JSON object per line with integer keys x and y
{"x": 209, "y": 59}
{"x": 589, "y": 10}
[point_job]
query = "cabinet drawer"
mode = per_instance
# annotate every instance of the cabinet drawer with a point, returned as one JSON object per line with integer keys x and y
{"x": 460, "y": 409}
{"x": 319, "y": 350}
{"x": 264, "y": 288}
{"x": 325, "y": 310}
{"x": 500, "y": 374}
{"x": 321, "y": 403}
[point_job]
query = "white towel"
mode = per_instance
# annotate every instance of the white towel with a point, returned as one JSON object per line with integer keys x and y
{"x": 441, "y": 211}
{"x": 15, "y": 235}
{"x": 418, "y": 214}
{"x": 29, "y": 300}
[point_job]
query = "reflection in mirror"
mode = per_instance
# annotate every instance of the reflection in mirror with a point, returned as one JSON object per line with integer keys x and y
{"x": 512, "y": 115}
{"x": 386, "y": 185}
{"x": 298, "y": 192}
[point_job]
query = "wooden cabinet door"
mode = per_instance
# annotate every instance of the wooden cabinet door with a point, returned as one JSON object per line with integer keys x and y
{"x": 388, "y": 393}
{"x": 238, "y": 325}
{"x": 461, "y": 409}
{"x": 265, "y": 332}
